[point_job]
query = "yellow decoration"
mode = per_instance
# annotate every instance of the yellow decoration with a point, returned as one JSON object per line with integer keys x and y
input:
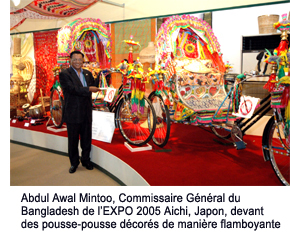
{"x": 131, "y": 42}
{"x": 189, "y": 48}
{"x": 201, "y": 52}
{"x": 88, "y": 43}
{"x": 182, "y": 112}
{"x": 284, "y": 80}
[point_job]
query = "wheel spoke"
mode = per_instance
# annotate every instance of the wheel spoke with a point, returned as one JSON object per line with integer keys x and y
{"x": 137, "y": 128}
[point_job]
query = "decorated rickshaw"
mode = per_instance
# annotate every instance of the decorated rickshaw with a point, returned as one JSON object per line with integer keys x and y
{"x": 189, "y": 79}
{"x": 90, "y": 36}
{"x": 189, "y": 74}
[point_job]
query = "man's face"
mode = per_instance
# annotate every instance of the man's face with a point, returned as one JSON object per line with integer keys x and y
{"x": 77, "y": 61}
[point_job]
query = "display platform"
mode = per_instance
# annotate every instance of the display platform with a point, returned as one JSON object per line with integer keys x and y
{"x": 191, "y": 158}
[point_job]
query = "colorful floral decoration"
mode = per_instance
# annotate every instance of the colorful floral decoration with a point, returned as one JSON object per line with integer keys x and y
{"x": 279, "y": 80}
{"x": 86, "y": 33}
{"x": 228, "y": 66}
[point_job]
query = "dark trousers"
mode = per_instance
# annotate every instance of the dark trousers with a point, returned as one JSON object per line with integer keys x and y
{"x": 82, "y": 132}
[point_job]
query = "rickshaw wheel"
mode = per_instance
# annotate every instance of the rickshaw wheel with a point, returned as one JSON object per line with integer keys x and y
{"x": 136, "y": 130}
{"x": 162, "y": 131}
{"x": 56, "y": 108}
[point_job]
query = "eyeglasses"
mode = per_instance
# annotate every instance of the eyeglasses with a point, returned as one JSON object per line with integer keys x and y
{"x": 77, "y": 60}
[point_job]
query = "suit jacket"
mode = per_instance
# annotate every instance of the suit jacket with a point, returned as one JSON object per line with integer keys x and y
{"x": 77, "y": 99}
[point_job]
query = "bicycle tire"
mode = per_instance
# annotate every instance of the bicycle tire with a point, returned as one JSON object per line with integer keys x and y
{"x": 276, "y": 148}
{"x": 134, "y": 127}
{"x": 56, "y": 108}
{"x": 162, "y": 130}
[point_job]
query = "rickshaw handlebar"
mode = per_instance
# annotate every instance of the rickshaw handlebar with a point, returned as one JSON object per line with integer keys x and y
{"x": 246, "y": 76}
{"x": 242, "y": 77}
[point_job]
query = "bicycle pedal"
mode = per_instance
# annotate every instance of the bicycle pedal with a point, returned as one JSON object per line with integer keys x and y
{"x": 240, "y": 145}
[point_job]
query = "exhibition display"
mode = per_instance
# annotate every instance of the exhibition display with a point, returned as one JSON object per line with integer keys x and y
{"x": 190, "y": 86}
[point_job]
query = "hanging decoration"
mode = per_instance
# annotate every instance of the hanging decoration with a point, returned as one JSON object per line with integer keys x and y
{"x": 45, "y": 52}
{"x": 17, "y": 17}
{"x": 89, "y": 46}
{"x": 48, "y": 9}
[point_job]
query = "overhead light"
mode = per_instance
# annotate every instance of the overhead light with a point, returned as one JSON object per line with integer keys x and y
{"x": 16, "y": 2}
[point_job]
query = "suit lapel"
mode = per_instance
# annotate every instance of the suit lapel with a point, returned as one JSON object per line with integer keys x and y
{"x": 86, "y": 75}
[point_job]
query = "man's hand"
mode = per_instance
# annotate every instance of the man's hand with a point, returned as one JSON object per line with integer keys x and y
{"x": 94, "y": 89}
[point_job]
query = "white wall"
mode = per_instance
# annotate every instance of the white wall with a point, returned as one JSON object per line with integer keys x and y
{"x": 230, "y": 25}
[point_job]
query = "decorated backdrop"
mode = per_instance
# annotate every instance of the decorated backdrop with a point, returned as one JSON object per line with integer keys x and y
{"x": 45, "y": 51}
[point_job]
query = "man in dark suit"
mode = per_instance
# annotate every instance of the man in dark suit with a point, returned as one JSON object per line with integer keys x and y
{"x": 78, "y": 85}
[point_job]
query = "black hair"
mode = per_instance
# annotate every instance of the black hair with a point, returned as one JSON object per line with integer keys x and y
{"x": 76, "y": 52}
